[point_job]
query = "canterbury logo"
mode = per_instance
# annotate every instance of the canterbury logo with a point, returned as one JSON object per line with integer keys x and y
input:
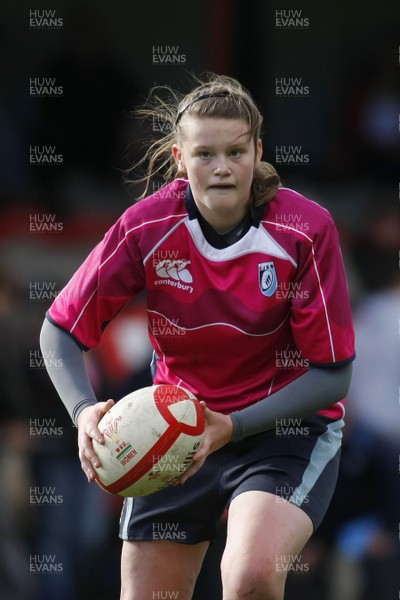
{"x": 174, "y": 269}
{"x": 174, "y": 273}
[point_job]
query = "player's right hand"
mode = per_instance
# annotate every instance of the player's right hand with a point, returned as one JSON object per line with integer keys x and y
{"x": 87, "y": 423}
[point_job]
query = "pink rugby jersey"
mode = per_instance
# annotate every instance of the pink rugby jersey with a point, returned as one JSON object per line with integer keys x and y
{"x": 235, "y": 324}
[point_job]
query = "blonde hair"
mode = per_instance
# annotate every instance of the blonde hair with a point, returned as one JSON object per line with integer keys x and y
{"x": 217, "y": 96}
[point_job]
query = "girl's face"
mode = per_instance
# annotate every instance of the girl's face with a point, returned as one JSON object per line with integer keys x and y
{"x": 219, "y": 157}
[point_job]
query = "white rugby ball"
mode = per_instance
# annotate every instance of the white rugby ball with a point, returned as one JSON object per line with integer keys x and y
{"x": 150, "y": 438}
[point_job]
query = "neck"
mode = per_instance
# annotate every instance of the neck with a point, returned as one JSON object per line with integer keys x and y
{"x": 222, "y": 223}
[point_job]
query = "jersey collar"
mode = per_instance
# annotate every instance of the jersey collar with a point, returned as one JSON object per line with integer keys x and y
{"x": 218, "y": 240}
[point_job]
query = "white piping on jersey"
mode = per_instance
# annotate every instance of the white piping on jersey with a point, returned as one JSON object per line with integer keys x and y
{"x": 116, "y": 250}
{"x": 324, "y": 303}
{"x": 82, "y": 311}
{"x": 282, "y": 226}
{"x": 166, "y": 236}
{"x": 270, "y": 387}
{"x": 255, "y": 240}
{"x": 133, "y": 229}
{"x": 319, "y": 280}
{"x": 220, "y": 323}
{"x": 290, "y": 259}
{"x": 159, "y": 352}
{"x": 304, "y": 198}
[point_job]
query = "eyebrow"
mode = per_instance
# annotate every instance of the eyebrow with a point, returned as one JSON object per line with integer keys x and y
{"x": 233, "y": 144}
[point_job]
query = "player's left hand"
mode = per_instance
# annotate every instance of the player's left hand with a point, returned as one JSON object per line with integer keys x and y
{"x": 218, "y": 432}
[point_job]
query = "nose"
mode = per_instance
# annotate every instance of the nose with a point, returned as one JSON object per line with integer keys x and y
{"x": 222, "y": 168}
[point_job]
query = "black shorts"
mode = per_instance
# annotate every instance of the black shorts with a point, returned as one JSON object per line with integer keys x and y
{"x": 298, "y": 462}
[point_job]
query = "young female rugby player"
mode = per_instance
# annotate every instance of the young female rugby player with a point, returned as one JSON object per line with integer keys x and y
{"x": 251, "y": 273}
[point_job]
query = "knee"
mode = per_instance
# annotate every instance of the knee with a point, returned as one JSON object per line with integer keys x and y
{"x": 251, "y": 582}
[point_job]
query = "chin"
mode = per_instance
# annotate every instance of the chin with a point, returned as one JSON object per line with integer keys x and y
{"x": 223, "y": 203}
{"x": 230, "y": 195}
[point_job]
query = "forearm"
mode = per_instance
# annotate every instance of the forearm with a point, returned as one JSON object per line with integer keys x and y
{"x": 317, "y": 389}
{"x": 70, "y": 378}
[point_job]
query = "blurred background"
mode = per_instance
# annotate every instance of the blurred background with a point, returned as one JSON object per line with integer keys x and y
{"x": 326, "y": 77}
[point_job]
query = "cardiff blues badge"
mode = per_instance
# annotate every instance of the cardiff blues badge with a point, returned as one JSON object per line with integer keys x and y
{"x": 267, "y": 278}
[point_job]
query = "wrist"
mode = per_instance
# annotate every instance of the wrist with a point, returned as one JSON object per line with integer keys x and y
{"x": 80, "y": 408}
{"x": 228, "y": 429}
{"x": 237, "y": 427}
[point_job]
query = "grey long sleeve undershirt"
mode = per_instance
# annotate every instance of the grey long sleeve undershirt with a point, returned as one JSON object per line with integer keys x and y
{"x": 70, "y": 378}
{"x": 317, "y": 389}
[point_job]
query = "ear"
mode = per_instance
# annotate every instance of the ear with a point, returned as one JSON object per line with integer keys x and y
{"x": 259, "y": 152}
{"x": 178, "y": 157}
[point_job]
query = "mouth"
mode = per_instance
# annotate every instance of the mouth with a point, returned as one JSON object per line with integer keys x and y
{"x": 222, "y": 186}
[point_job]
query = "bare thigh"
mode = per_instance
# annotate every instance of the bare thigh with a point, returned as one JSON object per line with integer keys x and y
{"x": 265, "y": 536}
{"x": 154, "y": 569}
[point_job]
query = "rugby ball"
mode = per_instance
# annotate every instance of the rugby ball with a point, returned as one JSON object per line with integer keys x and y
{"x": 150, "y": 438}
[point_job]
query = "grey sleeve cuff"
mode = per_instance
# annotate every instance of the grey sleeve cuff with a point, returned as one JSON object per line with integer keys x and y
{"x": 68, "y": 372}
{"x": 317, "y": 389}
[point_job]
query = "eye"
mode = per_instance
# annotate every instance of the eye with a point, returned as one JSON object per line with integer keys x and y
{"x": 236, "y": 153}
{"x": 204, "y": 154}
